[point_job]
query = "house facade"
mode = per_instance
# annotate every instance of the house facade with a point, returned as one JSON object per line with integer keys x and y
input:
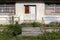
{"x": 30, "y": 11}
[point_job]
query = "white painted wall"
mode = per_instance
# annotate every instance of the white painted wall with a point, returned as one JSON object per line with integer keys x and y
{"x": 20, "y": 11}
{"x": 40, "y": 11}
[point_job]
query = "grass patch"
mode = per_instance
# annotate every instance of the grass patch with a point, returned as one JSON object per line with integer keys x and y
{"x": 44, "y": 36}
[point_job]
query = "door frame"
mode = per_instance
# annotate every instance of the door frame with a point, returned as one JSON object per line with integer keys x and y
{"x": 35, "y": 11}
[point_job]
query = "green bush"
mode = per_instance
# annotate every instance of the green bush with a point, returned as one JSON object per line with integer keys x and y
{"x": 36, "y": 24}
{"x": 52, "y": 25}
{"x": 26, "y": 24}
{"x": 14, "y": 29}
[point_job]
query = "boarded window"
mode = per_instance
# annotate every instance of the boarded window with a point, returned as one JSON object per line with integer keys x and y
{"x": 7, "y": 8}
{"x": 52, "y": 9}
{"x": 26, "y": 9}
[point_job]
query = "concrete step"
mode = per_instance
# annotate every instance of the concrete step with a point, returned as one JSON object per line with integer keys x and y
{"x": 31, "y": 31}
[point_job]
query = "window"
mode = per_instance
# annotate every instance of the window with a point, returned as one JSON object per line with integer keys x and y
{"x": 26, "y": 9}
{"x": 7, "y": 8}
{"x": 52, "y": 9}
{"x": 57, "y": 9}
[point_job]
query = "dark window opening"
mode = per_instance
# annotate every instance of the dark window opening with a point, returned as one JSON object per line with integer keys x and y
{"x": 26, "y": 9}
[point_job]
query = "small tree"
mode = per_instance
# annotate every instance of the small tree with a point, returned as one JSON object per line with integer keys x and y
{"x": 11, "y": 20}
{"x": 14, "y": 28}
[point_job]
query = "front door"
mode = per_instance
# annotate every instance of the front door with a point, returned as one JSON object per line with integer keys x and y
{"x": 32, "y": 12}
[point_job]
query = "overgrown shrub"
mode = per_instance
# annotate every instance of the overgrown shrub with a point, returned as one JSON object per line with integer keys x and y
{"x": 53, "y": 24}
{"x": 26, "y": 24}
{"x": 14, "y": 29}
{"x": 36, "y": 24}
